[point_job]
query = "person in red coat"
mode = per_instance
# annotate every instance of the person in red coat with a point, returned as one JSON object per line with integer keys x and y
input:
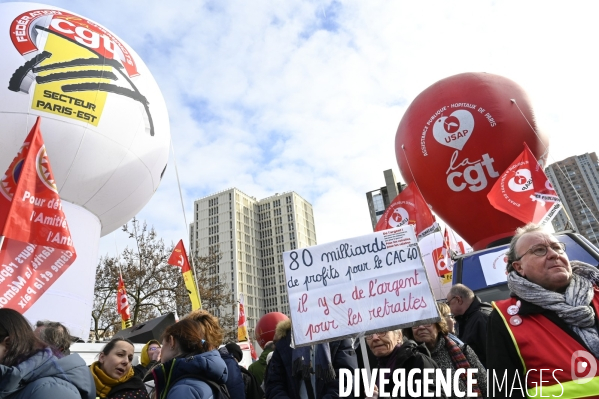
{"x": 536, "y": 337}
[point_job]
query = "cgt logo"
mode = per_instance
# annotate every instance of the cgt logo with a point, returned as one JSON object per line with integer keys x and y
{"x": 473, "y": 176}
{"x": 580, "y": 363}
{"x": 442, "y": 262}
{"x": 72, "y": 66}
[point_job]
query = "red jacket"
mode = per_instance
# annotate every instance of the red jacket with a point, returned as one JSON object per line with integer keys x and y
{"x": 546, "y": 352}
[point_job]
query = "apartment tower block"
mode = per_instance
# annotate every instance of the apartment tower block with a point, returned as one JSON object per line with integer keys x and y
{"x": 576, "y": 181}
{"x": 251, "y": 235}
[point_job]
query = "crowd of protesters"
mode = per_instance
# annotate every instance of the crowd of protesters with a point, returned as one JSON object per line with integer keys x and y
{"x": 552, "y": 300}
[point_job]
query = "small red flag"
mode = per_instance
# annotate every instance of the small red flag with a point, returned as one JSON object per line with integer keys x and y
{"x": 253, "y": 352}
{"x": 179, "y": 258}
{"x": 122, "y": 300}
{"x": 524, "y": 191}
{"x": 242, "y": 330}
{"x": 409, "y": 207}
{"x": 122, "y": 304}
{"x": 456, "y": 243}
{"x": 442, "y": 260}
{"x": 37, "y": 247}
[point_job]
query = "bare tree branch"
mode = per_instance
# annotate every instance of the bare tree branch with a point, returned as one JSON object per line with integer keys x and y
{"x": 154, "y": 287}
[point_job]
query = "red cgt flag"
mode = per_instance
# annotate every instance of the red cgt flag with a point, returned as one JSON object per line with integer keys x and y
{"x": 456, "y": 243}
{"x": 524, "y": 192}
{"x": 179, "y": 258}
{"x": 442, "y": 260}
{"x": 35, "y": 216}
{"x": 242, "y": 330}
{"x": 36, "y": 243}
{"x": 122, "y": 304}
{"x": 411, "y": 208}
{"x": 253, "y": 352}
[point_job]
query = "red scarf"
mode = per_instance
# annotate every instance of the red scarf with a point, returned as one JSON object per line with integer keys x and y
{"x": 460, "y": 362}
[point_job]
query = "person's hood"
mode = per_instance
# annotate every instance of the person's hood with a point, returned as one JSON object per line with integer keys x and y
{"x": 144, "y": 358}
{"x": 208, "y": 364}
{"x": 44, "y": 364}
{"x": 282, "y": 329}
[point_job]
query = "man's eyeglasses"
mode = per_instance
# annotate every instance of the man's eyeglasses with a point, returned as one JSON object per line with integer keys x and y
{"x": 449, "y": 302}
{"x": 380, "y": 335}
{"x": 541, "y": 249}
{"x": 153, "y": 348}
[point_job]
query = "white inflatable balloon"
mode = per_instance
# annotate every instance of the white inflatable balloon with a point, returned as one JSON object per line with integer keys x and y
{"x": 104, "y": 120}
{"x": 105, "y": 126}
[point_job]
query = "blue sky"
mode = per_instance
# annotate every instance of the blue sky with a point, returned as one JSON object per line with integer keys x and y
{"x": 306, "y": 95}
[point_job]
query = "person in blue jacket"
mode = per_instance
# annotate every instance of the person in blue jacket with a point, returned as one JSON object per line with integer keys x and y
{"x": 191, "y": 366}
{"x": 235, "y": 384}
{"x": 29, "y": 369}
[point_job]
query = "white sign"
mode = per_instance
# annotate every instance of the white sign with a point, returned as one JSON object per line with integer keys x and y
{"x": 364, "y": 284}
{"x": 494, "y": 266}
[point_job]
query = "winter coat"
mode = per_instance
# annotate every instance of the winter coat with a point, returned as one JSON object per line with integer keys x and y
{"x": 235, "y": 384}
{"x": 441, "y": 356}
{"x": 472, "y": 327}
{"x": 281, "y": 384}
{"x": 44, "y": 376}
{"x": 253, "y": 390}
{"x": 410, "y": 355}
{"x": 259, "y": 367}
{"x": 130, "y": 389}
{"x": 508, "y": 361}
{"x": 133, "y": 388}
{"x": 181, "y": 383}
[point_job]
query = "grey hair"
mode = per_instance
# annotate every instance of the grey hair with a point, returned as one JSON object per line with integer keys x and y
{"x": 270, "y": 346}
{"x": 520, "y": 231}
{"x": 462, "y": 291}
{"x": 55, "y": 335}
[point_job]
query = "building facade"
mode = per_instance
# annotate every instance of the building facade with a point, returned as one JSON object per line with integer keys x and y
{"x": 251, "y": 235}
{"x": 576, "y": 181}
{"x": 379, "y": 199}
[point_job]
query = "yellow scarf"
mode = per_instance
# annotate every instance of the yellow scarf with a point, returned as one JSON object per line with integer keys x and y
{"x": 104, "y": 383}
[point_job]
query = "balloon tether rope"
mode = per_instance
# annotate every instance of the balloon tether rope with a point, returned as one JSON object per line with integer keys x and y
{"x": 185, "y": 220}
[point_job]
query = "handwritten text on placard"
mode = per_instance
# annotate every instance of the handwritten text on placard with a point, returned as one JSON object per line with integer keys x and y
{"x": 369, "y": 283}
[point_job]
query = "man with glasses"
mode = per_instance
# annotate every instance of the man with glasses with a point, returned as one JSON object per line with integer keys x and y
{"x": 549, "y": 323}
{"x": 472, "y": 316}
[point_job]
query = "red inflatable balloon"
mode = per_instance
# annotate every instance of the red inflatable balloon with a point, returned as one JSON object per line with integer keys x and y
{"x": 455, "y": 140}
{"x": 265, "y": 329}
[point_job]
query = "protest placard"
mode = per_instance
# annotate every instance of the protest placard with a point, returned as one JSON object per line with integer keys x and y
{"x": 494, "y": 266}
{"x": 371, "y": 283}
